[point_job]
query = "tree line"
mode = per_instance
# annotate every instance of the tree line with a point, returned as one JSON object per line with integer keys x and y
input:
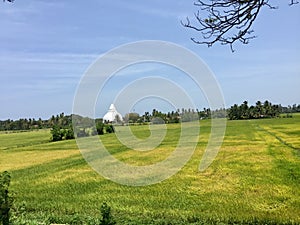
{"x": 236, "y": 112}
{"x": 156, "y": 116}
{"x": 62, "y": 126}
{"x": 259, "y": 110}
{"x": 32, "y": 123}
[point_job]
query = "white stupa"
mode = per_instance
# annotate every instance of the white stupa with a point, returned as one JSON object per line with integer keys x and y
{"x": 112, "y": 115}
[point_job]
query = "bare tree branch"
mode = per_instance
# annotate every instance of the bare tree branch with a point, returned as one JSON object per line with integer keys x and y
{"x": 226, "y": 21}
{"x": 293, "y": 2}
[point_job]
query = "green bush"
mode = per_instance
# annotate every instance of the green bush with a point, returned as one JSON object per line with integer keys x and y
{"x": 5, "y": 199}
{"x": 59, "y": 133}
{"x": 107, "y": 218}
{"x": 109, "y": 128}
{"x": 69, "y": 133}
{"x": 100, "y": 128}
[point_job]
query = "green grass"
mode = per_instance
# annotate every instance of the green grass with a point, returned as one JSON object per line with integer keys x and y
{"x": 255, "y": 178}
{"x": 10, "y": 140}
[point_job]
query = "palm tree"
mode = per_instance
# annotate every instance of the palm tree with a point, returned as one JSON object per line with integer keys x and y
{"x": 259, "y": 109}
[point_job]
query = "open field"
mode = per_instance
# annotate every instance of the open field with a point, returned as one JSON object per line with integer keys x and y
{"x": 255, "y": 178}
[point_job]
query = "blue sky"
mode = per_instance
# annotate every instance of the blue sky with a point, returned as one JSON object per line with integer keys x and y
{"x": 46, "y": 46}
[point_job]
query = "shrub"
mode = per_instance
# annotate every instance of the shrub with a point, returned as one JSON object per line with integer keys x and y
{"x": 57, "y": 135}
{"x": 69, "y": 133}
{"x": 5, "y": 199}
{"x": 109, "y": 128}
{"x": 107, "y": 218}
{"x": 100, "y": 128}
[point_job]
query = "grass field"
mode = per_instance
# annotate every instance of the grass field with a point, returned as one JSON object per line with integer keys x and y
{"x": 255, "y": 178}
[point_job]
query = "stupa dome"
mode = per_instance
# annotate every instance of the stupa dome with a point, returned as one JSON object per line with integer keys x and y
{"x": 112, "y": 115}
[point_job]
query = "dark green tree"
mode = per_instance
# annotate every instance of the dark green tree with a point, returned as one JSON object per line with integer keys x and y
{"x": 266, "y": 110}
{"x": 234, "y": 112}
{"x": 146, "y": 117}
{"x": 259, "y": 109}
{"x": 69, "y": 133}
{"x": 109, "y": 128}
{"x": 56, "y": 133}
{"x": 244, "y": 110}
{"x": 6, "y": 200}
{"x": 100, "y": 128}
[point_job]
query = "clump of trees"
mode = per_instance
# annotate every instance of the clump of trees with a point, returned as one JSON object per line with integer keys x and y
{"x": 61, "y": 126}
{"x": 236, "y": 112}
{"x": 84, "y": 127}
{"x": 290, "y": 109}
{"x": 132, "y": 118}
{"x": 156, "y": 116}
{"x": 109, "y": 128}
{"x": 60, "y": 120}
{"x": 59, "y": 133}
{"x": 180, "y": 115}
{"x": 260, "y": 110}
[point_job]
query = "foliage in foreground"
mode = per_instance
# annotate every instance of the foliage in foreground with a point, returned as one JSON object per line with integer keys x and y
{"x": 5, "y": 199}
{"x": 106, "y": 215}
